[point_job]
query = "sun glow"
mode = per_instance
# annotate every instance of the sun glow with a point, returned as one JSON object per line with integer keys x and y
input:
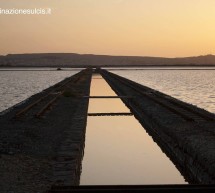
{"x": 169, "y": 28}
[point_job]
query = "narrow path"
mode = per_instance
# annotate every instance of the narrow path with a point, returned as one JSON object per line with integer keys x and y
{"x": 37, "y": 152}
{"x": 184, "y": 132}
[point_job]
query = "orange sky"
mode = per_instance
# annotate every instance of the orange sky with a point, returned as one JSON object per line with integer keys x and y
{"x": 169, "y": 28}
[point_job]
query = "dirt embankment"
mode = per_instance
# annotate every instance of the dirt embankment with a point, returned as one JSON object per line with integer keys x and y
{"x": 30, "y": 146}
{"x": 183, "y": 131}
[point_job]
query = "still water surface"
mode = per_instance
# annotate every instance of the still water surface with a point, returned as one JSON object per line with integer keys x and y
{"x": 16, "y": 86}
{"x": 118, "y": 151}
{"x": 193, "y": 86}
{"x": 138, "y": 152}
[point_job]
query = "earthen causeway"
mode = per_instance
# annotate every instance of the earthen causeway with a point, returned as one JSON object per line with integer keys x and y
{"x": 42, "y": 139}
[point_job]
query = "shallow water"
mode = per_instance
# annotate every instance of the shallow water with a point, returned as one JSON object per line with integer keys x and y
{"x": 122, "y": 144}
{"x": 99, "y": 87}
{"x": 193, "y": 86}
{"x": 16, "y": 86}
{"x": 118, "y": 151}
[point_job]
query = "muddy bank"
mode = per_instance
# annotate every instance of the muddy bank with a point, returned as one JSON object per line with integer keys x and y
{"x": 35, "y": 142}
{"x": 184, "y": 132}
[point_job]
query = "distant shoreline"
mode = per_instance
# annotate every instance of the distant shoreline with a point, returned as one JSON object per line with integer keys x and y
{"x": 112, "y": 66}
{"x": 73, "y": 60}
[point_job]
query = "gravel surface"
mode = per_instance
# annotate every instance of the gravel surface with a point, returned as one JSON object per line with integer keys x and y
{"x": 190, "y": 144}
{"x": 29, "y": 145}
{"x": 22, "y": 173}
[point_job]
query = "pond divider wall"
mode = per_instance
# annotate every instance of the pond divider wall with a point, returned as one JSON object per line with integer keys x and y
{"x": 46, "y": 133}
{"x": 45, "y": 136}
{"x": 184, "y": 132}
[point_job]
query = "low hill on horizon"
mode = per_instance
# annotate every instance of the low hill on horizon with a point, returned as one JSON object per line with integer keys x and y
{"x": 87, "y": 60}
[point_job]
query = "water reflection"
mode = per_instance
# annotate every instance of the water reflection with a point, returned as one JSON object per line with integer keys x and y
{"x": 16, "y": 86}
{"x": 99, "y": 87}
{"x": 118, "y": 151}
{"x": 107, "y": 106}
{"x": 193, "y": 86}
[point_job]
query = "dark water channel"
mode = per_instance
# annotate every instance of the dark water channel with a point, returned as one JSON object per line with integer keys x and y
{"x": 118, "y": 151}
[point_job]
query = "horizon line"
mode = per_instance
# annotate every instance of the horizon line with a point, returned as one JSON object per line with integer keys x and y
{"x": 4, "y": 55}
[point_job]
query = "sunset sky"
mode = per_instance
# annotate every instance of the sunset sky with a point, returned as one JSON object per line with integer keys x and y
{"x": 168, "y": 28}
